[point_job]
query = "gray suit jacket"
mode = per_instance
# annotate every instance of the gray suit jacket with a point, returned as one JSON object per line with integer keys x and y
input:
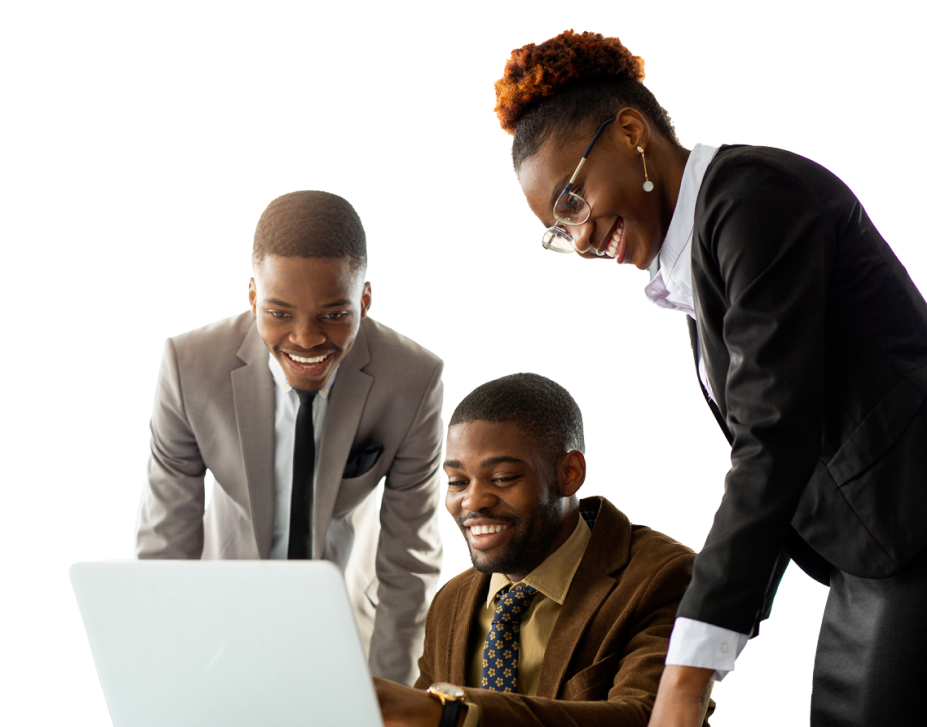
{"x": 214, "y": 410}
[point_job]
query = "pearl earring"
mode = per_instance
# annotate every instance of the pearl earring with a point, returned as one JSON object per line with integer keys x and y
{"x": 648, "y": 185}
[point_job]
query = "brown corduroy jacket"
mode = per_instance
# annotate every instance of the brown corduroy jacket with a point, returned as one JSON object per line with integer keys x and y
{"x": 606, "y": 652}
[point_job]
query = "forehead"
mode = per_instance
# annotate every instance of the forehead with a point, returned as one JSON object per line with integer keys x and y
{"x": 308, "y": 277}
{"x": 545, "y": 173}
{"x": 471, "y": 443}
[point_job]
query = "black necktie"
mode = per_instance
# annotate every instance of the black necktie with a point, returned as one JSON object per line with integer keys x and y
{"x": 303, "y": 495}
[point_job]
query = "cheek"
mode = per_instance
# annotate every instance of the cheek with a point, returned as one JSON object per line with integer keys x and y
{"x": 452, "y": 501}
{"x": 343, "y": 336}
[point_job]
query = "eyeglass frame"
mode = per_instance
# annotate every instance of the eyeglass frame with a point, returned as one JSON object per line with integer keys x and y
{"x": 557, "y": 230}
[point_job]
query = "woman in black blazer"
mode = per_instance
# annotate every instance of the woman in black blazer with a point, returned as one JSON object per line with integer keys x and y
{"x": 811, "y": 346}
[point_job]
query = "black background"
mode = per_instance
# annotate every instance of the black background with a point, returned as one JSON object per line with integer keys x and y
{"x": 201, "y": 134}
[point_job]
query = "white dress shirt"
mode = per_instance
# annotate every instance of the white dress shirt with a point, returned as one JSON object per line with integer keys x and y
{"x": 286, "y": 407}
{"x": 692, "y": 643}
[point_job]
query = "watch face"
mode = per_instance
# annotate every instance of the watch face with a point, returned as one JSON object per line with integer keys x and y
{"x": 451, "y": 691}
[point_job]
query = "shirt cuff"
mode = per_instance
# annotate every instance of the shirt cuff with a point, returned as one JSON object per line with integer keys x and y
{"x": 695, "y": 643}
{"x": 473, "y": 714}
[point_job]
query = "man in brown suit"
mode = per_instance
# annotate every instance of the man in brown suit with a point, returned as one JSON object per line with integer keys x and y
{"x": 566, "y": 615}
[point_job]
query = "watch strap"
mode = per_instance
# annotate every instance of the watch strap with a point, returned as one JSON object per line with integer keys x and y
{"x": 450, "y": 713}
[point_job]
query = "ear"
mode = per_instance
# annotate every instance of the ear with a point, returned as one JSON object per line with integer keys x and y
{"x": 630, "y": 130}
{"x": 571, "y": 473}
{"x": 366, "y": 299}
{"x": 252, "y": 296}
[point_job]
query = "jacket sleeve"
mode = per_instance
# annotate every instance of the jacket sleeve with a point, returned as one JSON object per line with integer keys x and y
{"x": 409, "y": 551}
{"x": 764, "y": 245}
{"x": 170, "y": 515}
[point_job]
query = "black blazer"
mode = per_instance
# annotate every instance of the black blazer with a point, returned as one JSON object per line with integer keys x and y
{"x": 815, "y": 345}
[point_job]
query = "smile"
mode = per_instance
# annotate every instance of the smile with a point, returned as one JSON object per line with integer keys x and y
{"x": 487, "y": 529}
{"x": 308, "y": 366}
{"x": 615, "y": 244}
{"x": 307, "y": 361}
{"x": 484, "y": 537}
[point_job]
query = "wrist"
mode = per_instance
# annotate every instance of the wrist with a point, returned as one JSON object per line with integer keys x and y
{"x": 451, "y": 698}
{"x": 690, "y": 681}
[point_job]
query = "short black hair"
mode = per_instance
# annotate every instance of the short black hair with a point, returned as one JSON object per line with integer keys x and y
{"x": 541, "y": 408}
{"x": 310, "y": 224}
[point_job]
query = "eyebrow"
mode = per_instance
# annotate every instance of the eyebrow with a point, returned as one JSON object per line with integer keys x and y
{"x": 558, "y": 190}
{"x": 336, "y": 304}
{"x": 455, "y": 463}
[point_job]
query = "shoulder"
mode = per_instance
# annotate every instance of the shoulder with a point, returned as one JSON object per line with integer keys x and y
{"x": 755, "y": 172}
{"x": 219, "y": 336}
{"x": 651, "y": 549}
{"x": 637, "y": 553}
{"x": 393, "y": 353}
{"x": 212, "y": 351}
{"x": 658, "y": 571}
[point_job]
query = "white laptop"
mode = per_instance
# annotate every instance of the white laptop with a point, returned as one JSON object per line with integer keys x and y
{"x": 225, "y": 643}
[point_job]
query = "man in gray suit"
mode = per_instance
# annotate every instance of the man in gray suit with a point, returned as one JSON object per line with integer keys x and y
{"x": 299, "y": 407}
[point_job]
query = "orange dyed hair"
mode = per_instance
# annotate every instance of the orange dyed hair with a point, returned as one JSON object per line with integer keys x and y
{"x": 535, "y": 71}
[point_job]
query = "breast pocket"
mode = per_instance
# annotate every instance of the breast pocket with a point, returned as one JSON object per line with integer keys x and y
{"x": 592, "y": 683}
{"x": 354, "y": 490}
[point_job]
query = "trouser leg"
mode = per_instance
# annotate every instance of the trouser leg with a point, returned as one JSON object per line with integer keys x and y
{"x": 871, "y": 664}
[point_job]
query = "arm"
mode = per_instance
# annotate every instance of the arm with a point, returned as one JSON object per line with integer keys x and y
{"x": 170, "y": 515}
{"x": 683, "y": 697}
{"x": 409, "y": 551}
{"x": 765, "y": 246}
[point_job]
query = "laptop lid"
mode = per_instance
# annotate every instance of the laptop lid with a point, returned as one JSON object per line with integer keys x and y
{"x": 225, "y": 643}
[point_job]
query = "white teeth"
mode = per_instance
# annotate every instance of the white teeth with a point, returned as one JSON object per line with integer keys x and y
{"x": 304, "y": 360}
{"x": 612, "y": 249}
{"x": 486, "y": 529}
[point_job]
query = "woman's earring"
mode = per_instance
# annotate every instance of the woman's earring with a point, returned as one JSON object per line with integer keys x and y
{"x": 648, "y": 185}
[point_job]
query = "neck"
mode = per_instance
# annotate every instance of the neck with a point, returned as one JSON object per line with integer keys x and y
{"x": 669, "y": 163}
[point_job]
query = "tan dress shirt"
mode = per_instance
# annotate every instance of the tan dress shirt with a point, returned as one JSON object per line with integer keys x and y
{"x": 552, "y": 579}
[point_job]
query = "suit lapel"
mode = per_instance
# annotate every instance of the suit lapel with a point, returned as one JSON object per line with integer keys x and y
{"x": 253, "y": 393}
{"x": 460, "y": 651}
{"x": 608, "y": 551}
{"x": 345, "y": 407}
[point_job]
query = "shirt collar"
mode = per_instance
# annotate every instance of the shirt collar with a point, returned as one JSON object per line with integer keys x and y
{"x": 554, "y": 576}
{"x": 671, "y": 287}
{"x": 280, "y": 378}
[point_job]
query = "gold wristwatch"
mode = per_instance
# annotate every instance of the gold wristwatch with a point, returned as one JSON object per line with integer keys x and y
{"x": 452, "y": 701}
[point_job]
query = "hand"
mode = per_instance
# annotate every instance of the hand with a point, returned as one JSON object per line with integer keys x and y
{"x": 682, "y": 697}
{"x": 402, "y": 706}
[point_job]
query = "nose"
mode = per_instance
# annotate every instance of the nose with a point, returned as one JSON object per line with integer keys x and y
{"x": 478, "y": 496}
{"x": 307, "y": 334}
{"x": 582, "y": 238}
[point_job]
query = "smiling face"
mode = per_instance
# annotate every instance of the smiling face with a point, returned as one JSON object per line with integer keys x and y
{"x": 513, "y": 504}
{"x": 627, "y": 224}
{"x": 308, "y": 313}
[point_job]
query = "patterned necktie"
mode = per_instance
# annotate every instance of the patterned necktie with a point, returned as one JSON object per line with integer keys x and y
{"x": 301, "y": 499}
{"x": 500, "y": 654}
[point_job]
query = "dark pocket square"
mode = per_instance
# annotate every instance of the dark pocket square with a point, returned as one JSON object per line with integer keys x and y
{"x": 363, "y": 462}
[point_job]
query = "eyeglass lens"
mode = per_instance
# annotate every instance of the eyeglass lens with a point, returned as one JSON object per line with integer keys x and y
{"x": 571, "y": 209}
{"x": 557, "y": 239}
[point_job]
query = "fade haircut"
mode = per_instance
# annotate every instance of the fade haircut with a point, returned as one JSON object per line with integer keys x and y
{"x": 569, "y": 85}
{"x": 310, "y": 224}
{"x": 541, "y": 408}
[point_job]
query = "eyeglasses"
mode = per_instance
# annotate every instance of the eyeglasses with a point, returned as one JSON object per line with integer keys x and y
{"x": 570, "y": 209}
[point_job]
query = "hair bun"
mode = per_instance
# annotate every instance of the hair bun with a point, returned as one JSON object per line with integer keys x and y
{"x": 535, "y": 71}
